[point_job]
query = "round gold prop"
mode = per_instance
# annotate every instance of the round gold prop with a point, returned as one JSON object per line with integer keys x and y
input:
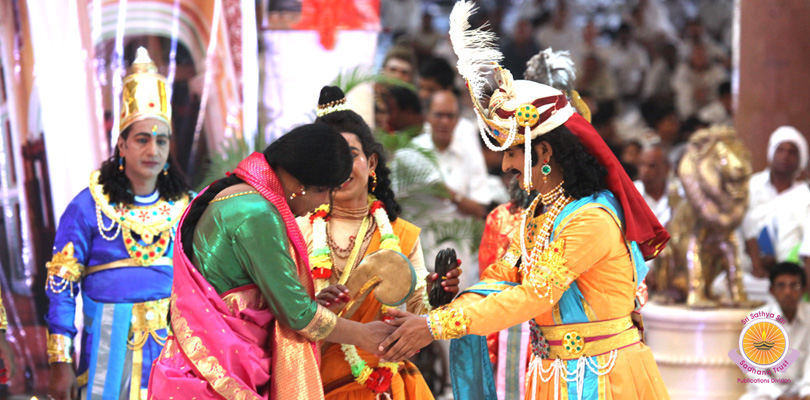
{"x": 388, "y": 273}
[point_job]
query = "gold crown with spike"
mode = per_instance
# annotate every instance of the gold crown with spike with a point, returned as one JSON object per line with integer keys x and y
{"x": 144, "y": 93}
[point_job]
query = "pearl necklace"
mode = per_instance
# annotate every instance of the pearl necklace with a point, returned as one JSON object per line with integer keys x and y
{"x": 557, "y": 199}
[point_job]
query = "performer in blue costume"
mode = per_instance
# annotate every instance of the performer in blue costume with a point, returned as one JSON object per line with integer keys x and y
{"x": 113, "y": 248}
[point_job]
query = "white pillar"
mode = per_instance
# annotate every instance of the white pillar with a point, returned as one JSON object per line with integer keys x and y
{"x": 250, "y": 71}
{"x": 64, "y": 71}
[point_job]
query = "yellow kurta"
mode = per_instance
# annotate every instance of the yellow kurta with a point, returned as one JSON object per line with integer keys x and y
{"x": 338, "y": 381}
{"x": 594, "y": 254}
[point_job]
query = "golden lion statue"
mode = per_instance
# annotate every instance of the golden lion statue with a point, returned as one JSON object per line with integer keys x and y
{"x": 714, "y": 172}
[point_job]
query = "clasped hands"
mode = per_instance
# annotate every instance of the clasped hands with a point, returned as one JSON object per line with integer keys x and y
{"x": 402, "y": 334}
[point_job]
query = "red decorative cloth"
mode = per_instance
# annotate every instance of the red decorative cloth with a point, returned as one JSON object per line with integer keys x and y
{"x": 641, "y": 225}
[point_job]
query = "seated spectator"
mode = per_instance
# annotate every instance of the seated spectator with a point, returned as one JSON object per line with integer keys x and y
{"x": 404, "y": 111}
{"x": 426, "y": 39}
{"x": 518, "y": 49}
{"x": 628, "y": 62}
{"x": 694, "y": 34}
{"x": 559, "y": 34}
{"x": 774, "y": 227}
{"x": 631, "y": 151}
{"x": 719, "y": 111}
{"x": 399, "y": 63}
{"x": 787, "y": 282}
{"x": 653, "y": 182}
{"x": 458, "y": 173}
{"x": 657, "y": 82}
{"x": 435, "y": 74}
{"x": 594, "y": 77}
{"x": 695, "y": 82}
{"x": 666, "y": 127}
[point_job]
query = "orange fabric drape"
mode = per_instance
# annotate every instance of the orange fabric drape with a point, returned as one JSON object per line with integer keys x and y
{"x": 408, "y": 383}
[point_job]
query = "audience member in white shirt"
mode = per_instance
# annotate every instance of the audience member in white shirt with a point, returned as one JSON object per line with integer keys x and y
{"x": 653, "y": 182}
{"x": 695, "y": 82}
{"x": 774, "y": 227}
{"x": 460, "y": 171}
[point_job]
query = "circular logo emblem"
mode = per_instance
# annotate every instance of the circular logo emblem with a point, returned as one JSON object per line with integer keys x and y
{"x": 764, "y": 343}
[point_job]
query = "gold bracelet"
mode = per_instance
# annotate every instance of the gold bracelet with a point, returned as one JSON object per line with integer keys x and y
{"x": 448, "y": 323}
{"x": 60, "y": 348}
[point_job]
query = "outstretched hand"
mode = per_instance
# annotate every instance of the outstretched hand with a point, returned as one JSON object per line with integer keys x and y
{"x": 333, "y": 297}
{"x": 449, "y": 284}
{"x": 411, "y": 335}
{"x": 375, "y": 332}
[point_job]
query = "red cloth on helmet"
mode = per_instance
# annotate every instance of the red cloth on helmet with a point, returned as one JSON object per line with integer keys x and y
{"x": 641, "y": 225}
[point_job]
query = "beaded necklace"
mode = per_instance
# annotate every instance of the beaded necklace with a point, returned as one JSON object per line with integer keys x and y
{"x": 155, "y": 224}
{"x": 557, "y": 200}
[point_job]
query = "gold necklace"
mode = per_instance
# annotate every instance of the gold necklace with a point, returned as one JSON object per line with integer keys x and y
{"x": 146, "y": 255}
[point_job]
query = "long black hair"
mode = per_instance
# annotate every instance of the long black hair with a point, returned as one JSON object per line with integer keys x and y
{"x": 315, "y": 154}
{"x": 350, "y": 122}
{"x": 117, "y": 187}
{"x": 582, "y": 173}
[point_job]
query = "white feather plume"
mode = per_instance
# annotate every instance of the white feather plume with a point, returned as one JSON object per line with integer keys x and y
{"x": 476, "y": 49}
{"x": 553, "y": 68}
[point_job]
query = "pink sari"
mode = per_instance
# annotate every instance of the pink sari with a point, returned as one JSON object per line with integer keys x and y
{"x": 231, "y": 346}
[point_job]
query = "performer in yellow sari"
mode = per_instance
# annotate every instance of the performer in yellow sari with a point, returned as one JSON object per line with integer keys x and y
{"x": 363, "y": 219}
{"x": 573, "y": 268}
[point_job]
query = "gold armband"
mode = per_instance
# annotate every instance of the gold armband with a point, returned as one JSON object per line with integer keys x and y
{"x": 448, "y": 323}
{"x": 60, "y": 348}
{"x": 321, "y": 325}
{"x": 3, "y": 319}
{"x": 64, "y": 265}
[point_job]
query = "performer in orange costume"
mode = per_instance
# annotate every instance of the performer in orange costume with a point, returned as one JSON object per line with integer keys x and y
{"x": 573, "y": 269}
{"x": 364, "y": 218}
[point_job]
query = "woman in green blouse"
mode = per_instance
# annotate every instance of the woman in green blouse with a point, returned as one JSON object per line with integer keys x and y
{"x": 243, "y": 310}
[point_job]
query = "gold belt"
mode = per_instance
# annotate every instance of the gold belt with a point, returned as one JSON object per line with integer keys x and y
{"x": 126, "y": 262}
{"x": 590, "y": 338}
{"x": 150, "y": 316}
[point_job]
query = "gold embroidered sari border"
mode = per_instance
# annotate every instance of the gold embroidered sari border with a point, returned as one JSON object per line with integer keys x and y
{"x": 206, "y": 365}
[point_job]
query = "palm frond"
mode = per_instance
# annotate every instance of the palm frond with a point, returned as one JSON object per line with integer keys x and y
{"x": 465, "y": 232}
{"x": 350, "y": 79}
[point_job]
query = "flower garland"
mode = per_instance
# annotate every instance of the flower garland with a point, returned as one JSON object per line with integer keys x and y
{"x": 388, "y": 240}
{"x": 377, "y": 379}
{"x": 320, "y": 259}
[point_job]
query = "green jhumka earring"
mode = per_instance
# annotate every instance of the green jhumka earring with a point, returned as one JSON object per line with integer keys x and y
{"x": 545, "y": 169}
